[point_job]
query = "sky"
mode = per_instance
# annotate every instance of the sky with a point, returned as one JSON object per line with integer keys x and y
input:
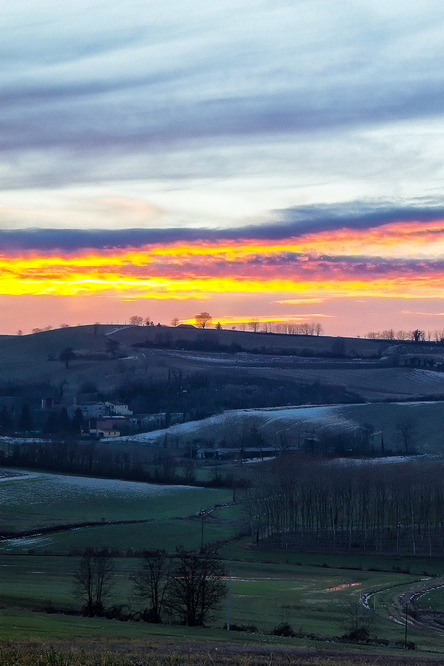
{"x": 265, "y": 160}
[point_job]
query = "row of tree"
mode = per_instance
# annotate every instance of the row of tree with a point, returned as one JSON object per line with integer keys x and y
{"x": 416, "y": 335}
{"x": 204, "y": 319}
{"x": 187, "y": 588}
{"x": 393, "y": 508}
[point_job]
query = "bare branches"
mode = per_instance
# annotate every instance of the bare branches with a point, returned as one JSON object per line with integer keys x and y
{"x": 197, "y": 587}
{"x": 151, "y": 583}
{"x": 94, "y": 579}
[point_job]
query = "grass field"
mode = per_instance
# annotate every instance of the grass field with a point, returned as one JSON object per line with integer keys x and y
{"x": 311, "y": 592}
{"x": 312, "y": 599}
{"x": 54, "y": 499}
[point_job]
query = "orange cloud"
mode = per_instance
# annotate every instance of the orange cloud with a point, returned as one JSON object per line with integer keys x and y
{"x": 374, "y": 263}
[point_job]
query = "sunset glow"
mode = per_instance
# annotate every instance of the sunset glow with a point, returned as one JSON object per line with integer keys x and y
{"x": 372, "y": 263}
{"x": 290, "y": 176}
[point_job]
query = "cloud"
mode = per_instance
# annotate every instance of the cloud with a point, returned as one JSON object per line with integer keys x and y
{"x": 114, "y": 82}
{"x": 294, "y": 223}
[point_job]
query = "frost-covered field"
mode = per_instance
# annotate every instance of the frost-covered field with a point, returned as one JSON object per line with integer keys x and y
{"x": 36, "y": 499}
{"x": 223, "y": 427}
{"x": 38, "y": 487}
{"x": 425, "y": 420}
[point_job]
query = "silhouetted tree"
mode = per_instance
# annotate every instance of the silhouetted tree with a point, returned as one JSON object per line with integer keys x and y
{"x": 202, "y": 319}
{"x": 196, "y": 587}
{"x": 151, "y": 583}
{"x": 418, "y": 335}
{"x": 93, "y": 580}
{"x": 357, "y": 618}
{"x": 66, "y": 356}
{"x": 407, "y": 430}
{"x": 25, "y": 419}
{"x": 77, "y": 421}
{"x": 6, "y": 423}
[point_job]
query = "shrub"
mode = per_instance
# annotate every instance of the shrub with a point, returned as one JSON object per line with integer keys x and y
{"x": 283, "y": 629}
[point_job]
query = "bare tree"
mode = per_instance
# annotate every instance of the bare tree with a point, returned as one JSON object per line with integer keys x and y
{"x": 196, "y": 587}
{"x": 418, "y": 335}
{"x": 151, "y": 583}
{"x": 202, "y": 319}
{"x": 136, "y": 320}
{"x": 407, "y": 431}
{"x": 93, "y": 580}
{"x": 358, "y": 619}
{"x": 175, "y": 322}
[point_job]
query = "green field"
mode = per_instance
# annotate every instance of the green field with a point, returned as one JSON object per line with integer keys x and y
{"x": 54, "y": 499}
{"x": 311, "y": 592}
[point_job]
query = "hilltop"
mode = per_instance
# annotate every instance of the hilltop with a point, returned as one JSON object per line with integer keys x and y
{"x": 107, "y": 357}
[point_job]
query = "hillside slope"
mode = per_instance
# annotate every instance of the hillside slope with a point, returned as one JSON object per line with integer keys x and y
{"x": 284, "y": 365}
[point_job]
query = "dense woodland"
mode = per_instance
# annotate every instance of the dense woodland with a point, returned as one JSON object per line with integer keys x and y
{"x": 393, "y": 508}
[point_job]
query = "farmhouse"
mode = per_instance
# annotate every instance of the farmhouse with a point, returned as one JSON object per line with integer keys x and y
{"x": 107, "y": 427}
{"x": 97, "y": 410}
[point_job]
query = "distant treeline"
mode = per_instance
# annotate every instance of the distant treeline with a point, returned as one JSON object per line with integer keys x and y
{"x": 376, "y": 508}
{"x": 416, "y": 335}
{"x": 208, "y": 392}
{"x": 100, "y": 459}
{"x": 211, "y": 343}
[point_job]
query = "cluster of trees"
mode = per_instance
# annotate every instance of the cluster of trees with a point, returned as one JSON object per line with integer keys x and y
{"x": 187, "y": 588}
{"x": 417, "y": 335}
{"x": 286, "y": 328}
{"x": 204, "y": 319}
{"x": 137, "y": 320}
{"x": 394, "y": 508}
{"x": 55, "y": 423}
{"x": 42, "y": 330}
{"x": 12, "y": 420}
{"x": 135, "y": 463}
{"x": 197, "y": 395}
{"x": 201, "y": 319}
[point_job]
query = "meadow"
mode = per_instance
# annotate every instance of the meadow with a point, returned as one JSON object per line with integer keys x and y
{"x": 315, "y": 594}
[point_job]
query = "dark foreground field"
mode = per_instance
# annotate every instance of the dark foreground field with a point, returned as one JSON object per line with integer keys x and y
{"x": 41, "y": 620}
{"x": 193, "y": 655}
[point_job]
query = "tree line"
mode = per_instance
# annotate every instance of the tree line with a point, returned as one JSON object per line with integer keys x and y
{"x": 416, "y": 335}
{"x": 392, "y": 508}
{"x": 187, "y": 589}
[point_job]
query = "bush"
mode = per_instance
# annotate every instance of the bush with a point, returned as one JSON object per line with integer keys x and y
{"x": 360, "y": 634}
{"x": 250, "y": 628}
{"x": 283, "y": 629}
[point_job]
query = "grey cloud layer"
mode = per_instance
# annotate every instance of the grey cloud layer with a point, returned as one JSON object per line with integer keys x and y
{"x": 288, "y": 224}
